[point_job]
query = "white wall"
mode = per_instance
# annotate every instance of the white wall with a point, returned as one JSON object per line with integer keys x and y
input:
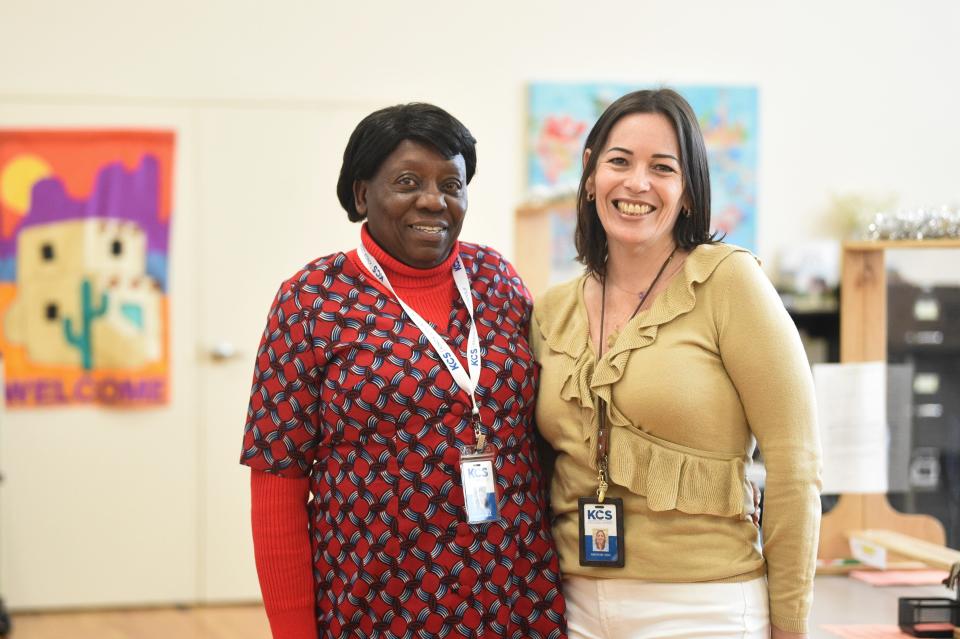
{"x": 856, "y": 96}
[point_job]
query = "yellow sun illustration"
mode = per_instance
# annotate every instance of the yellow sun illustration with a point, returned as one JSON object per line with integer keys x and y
{"x": 17, "y": 179}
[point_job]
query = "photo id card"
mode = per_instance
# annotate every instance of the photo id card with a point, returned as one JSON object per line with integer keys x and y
{"x": 479, "y": 480}
{"x": 601, "y": 532}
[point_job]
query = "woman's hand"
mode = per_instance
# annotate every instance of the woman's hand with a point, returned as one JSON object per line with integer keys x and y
{"x": 776, "y": 633}
{"x": 755, "y": 517}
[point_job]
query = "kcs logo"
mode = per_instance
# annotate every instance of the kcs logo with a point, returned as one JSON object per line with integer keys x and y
{"x": 599, "y": 514}
{"x": 451, "y": 361}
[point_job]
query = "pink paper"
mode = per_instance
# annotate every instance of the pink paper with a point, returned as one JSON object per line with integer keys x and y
{"x": 900, "y": 577}
{"x": 859, "y": 631}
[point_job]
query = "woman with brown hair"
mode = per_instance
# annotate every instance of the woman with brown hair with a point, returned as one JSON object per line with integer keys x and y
{"x": 662, "y": 368}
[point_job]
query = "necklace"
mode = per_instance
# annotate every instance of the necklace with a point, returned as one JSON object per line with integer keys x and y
{"x": 603, "y": 442}
{"x": 643, "y": 298}
{"x": 627, "y": 291}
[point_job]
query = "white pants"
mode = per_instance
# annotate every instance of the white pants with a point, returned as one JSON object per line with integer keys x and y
{"x": 633, "y": 609}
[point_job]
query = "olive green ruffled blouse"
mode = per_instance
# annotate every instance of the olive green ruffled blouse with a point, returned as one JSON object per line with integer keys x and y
{"x": 712, "y": 366}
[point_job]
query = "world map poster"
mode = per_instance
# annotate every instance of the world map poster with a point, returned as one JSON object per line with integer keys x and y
{"x": 84, "y": 246}
{"x": 560, "y": 115}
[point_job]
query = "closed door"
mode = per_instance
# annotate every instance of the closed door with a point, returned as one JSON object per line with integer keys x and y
{"x": 100, "y": 507}
{"x": 269, "y": 207}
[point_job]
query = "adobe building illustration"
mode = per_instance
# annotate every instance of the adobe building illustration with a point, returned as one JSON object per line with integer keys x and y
{"x": 84, "y": 296}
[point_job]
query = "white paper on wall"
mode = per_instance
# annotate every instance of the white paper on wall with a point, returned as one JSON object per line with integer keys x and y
{"x": 852, "y": 412}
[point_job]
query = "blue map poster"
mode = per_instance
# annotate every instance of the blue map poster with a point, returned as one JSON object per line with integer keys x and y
{"x": 561, "y": 115}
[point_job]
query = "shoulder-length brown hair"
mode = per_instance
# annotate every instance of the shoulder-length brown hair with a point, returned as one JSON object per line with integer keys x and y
{"x": 689, "y": 230}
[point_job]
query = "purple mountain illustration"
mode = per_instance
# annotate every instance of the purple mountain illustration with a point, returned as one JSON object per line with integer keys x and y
{"x": 117, "y": 194}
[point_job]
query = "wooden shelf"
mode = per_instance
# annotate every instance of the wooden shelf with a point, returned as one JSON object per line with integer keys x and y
{"x": 530, "y": 209}
{"x": 934, "y": 555}
{"x": 879, "y": 245}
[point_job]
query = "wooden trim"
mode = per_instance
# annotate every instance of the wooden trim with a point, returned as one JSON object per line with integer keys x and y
{"x": 539, "y": 208}
{"x": 214, "y": 622}
{"x": 863, "y": 511}
{"x": 532, "y": 250}
{"x": 934, "y": 555}
{"x": 880, "y": 245}
{"x": 863, "y": 307}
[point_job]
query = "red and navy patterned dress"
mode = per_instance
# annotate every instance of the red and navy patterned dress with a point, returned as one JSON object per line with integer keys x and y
{"x": 349, "y": 392}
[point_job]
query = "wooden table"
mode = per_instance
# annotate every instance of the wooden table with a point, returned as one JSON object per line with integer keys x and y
{"x": 841, "y": 600}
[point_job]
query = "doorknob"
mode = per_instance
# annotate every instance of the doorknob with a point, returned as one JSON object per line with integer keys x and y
{"x": 223, "y": 351}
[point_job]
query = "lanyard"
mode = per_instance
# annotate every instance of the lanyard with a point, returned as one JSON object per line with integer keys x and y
{"x": 603, "y": 434}
{"x": 449, "y": 359}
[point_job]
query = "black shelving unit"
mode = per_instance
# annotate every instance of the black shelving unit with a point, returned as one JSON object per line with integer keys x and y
{"x": 820, "y": 323}
{"x": 923, "y": 334}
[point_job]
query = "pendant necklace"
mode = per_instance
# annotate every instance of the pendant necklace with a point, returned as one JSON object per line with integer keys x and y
{"x": 643, "y": 298}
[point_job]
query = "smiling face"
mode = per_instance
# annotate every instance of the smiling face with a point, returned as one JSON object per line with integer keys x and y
{"x": 638, "y": 182}
{"x": 415, "y": 203}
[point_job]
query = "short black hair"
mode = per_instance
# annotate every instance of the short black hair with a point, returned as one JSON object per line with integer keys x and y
{"x": 689, "y": 230}
{"x": 378, "y": 134}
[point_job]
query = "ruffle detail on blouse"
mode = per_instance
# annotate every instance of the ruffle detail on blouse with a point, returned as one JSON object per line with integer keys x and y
{"x": 563, "y": 325}
{"x": 674, "y": 477}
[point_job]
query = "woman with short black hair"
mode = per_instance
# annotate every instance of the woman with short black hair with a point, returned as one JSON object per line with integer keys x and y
{"x": 395, "y": 384}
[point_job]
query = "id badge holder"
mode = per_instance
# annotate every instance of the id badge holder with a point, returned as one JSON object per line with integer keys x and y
{"x": 601, "y": 532}
{"x": 478, "y": 475}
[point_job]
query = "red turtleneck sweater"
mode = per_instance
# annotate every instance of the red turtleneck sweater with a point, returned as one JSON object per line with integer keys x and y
{"x": 281, "y": 538}
{"x": 428, "y": 291}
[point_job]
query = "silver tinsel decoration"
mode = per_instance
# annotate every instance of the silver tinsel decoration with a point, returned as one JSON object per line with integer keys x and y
{"x": 916, "y": 224}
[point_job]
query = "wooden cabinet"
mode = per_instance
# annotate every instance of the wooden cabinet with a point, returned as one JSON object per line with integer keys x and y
{"x": 909, "y": 323}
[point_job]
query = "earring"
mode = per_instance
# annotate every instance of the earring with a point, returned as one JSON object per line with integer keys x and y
{"x": 590, "y": 197}
{"x": 686, "y": 212}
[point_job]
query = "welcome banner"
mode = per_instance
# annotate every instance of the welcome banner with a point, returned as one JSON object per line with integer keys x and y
{"x": 84, "y": 249}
